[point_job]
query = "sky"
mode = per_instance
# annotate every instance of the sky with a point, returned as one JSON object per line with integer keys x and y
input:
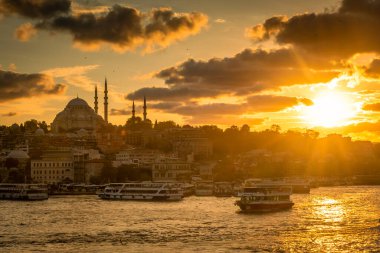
{"x": 299, "y": 64}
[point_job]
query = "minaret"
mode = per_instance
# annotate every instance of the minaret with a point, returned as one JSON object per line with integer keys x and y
{"x": 105, "y": 101}
{"x": 96, "y": 99}
{"x": 133, "y": 109}
{"x": 144, "y": 109}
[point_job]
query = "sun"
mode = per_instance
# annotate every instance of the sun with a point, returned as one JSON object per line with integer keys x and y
{"x": 330, "y": 109}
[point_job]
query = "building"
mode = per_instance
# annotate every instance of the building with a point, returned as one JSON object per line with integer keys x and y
{"x": 171, "y": 170}
{"x": 79, "y": 115}
{"x": 139, "y": 157}
{"x": 188, "y": 141}
{"x": 82, "y": 158}
{"x": 54, "y": 167}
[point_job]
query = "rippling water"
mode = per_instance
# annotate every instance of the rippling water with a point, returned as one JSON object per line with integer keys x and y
{"x": 332, "y": 219}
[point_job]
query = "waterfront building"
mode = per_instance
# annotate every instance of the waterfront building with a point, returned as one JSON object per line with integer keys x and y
{"x": 53, "y": 167}
{"x": 139, "y": 157}
{"x": 171, "y": 169}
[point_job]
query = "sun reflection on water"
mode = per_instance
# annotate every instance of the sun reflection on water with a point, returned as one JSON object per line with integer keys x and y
{"x": 329, "y": 210}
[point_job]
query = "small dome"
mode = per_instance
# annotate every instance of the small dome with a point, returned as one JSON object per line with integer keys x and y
{"x": 39, "y": 132}
{"x": 18, "y": 154}
{"x": 77, "y": 102}
{"x": 82, "y": 132}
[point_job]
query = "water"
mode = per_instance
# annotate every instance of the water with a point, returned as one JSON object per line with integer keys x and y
{"x": 331, "y": 219}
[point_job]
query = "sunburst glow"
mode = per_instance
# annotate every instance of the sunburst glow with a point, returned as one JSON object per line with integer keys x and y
{"x": 330, "y": 109}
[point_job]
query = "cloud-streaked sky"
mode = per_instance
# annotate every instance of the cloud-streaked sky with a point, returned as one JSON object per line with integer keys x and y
{"x": 300, "y": 64}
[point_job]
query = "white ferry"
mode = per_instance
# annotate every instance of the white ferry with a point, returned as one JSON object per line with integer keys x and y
{"x": 24, "y": 191}
{"x": 143, "y": 191}
{"x": 265, "y": 198}
{"x": 204, "y": 188}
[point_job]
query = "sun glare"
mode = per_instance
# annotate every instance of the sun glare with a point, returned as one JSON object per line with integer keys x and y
{"x": 330, "y": 109}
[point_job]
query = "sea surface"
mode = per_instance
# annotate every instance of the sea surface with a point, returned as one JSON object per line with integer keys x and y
{"x": 330, "y": 219}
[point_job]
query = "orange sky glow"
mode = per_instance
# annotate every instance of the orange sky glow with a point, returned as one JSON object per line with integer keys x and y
{"x": 258, "y": 62}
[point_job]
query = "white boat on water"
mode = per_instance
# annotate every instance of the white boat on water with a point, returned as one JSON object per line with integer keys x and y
{"x": 204, "y": 188}
{"x": 24, "y": 191}
{"x": 265, "y": 198}
{"x": 148, "y": 191}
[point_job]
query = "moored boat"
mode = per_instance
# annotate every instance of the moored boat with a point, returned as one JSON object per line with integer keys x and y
{"x": 223, "y": 189}
{"x": 204, "y": 188}
{"x": 147, "y": 191}
{"x": 23, "y": 191}
{"x": 265, "y": 198}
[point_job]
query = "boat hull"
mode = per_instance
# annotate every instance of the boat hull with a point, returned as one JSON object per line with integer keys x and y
{"x": 16, "y": 196}
{"x": 264, "y": 207}
{"x": 141, "y": 197}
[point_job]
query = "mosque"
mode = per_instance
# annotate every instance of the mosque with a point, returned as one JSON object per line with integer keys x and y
{"x": 79, "y": 115}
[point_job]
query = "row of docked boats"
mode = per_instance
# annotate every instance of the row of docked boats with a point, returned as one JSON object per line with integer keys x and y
{"x": 23, "y": 191}
{"x": 256, "y": 195}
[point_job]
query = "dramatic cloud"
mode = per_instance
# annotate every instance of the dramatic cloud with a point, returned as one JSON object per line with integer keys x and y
{"x": 353, "y": 28}
{"x": 374, "y": 69}
{"x": 165, "y": 105}
{"x": 372, "y": 107}
{"x": 117, "y": 112}
{"x": 126, "y": 28}
{"x": 254, "y": 104}
{"x": 15, "y": 85}
{"x": 270, "y": 103}
{"x": 9, "y": 114}
{"x": 247, "y": 72}
{"x": 25, "y": 32}
{"x": 35, "y": 8}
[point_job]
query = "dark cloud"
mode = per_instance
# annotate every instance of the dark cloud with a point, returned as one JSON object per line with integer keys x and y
{"x": 254, "y": 104}
{"x": 165, "y": 105}
{"x": 373, "y": 70}
{"x": 271, "y": 103}
{"x": 40, "y": 9}
{"x": 247, "y": 72}
{"x": 372, "y": 107}
{"x": 159, "y": 93}
{"x": 9, "y": 114}
{"x": 15, "y": 85}
{"x": 117, "y": 112}
{"x": 125, "y": 28}
{"x": 353, "y": 28}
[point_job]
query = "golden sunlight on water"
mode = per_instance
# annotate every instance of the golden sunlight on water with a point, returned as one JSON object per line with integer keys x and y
{"x": 329, "y": 210}
{"x": 329, "y": 219}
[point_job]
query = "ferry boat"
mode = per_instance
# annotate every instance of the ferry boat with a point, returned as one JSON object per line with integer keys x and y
{"x": 143, "y": 191}
{"x": 265, "y": 198}
{"x": 223, "y": 189}
{"x": 204, "y": 188}
{"x": 24, "y": 191}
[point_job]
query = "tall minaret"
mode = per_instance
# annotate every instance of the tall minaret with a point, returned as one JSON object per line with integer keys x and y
{"x": 105, "y": 101}
{"x": 133, "y": 109}
{"x": 96, "y": 100}
{"x": 144, "y": 109}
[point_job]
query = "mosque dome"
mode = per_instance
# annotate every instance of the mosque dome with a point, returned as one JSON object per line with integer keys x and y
{"x": 77, "y": 102}
{"x": 18, "y": 154}
{"x": 39, "y": 132}
{"x": 76, "y": 115}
